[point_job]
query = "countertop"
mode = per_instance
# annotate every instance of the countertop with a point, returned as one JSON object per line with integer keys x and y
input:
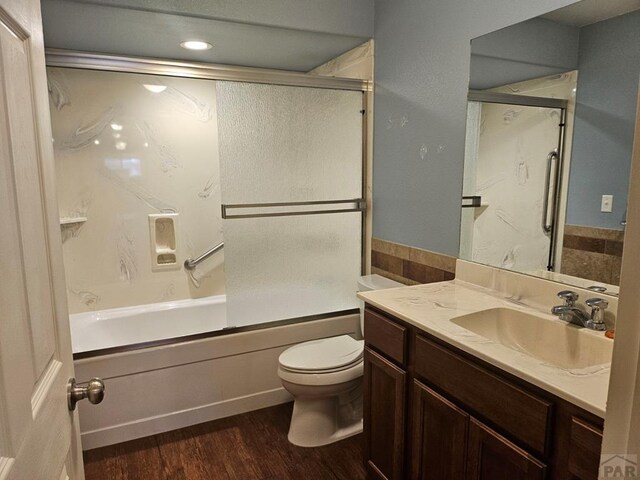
{"x": 430, "y": 307}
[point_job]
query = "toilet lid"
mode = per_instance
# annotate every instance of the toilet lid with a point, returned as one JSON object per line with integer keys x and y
{"x": 323, "y": 354}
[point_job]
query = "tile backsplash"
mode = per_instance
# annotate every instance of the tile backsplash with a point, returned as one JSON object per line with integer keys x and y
{"x": 128, "y": 146}
{"x": 593, "y": 253}
{"x": 410, "y": 265}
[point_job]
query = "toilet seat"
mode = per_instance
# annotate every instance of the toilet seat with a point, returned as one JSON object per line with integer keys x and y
{"x": 326, "y": 355}
{"x": 319, "y": 379}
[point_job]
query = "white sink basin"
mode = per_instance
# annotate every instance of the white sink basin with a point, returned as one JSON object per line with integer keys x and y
{"x": 551, "y": 341}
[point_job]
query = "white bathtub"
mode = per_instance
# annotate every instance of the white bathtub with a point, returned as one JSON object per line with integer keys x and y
{"x": 146, "y": 323}
{"x": 169, "y": 385}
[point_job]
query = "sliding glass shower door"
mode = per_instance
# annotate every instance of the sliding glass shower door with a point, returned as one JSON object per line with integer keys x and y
{"x": 291, "y": 161}
{"x": 511, "y": 185}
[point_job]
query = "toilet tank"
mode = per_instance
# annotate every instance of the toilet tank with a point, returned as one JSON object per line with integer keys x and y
{"x": 368, "y": 283}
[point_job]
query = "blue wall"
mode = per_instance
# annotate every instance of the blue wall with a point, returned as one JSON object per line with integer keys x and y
{"x": 608, "y": 75}
{"x": 338, "y": 17}
{"x": 532, "y": 49}
{"x": 422, "y": 77}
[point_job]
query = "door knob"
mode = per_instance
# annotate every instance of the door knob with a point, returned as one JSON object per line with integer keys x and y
{"x": 93, "y": 390}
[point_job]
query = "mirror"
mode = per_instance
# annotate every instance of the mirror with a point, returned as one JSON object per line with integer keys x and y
{"x": 550, "y": 124}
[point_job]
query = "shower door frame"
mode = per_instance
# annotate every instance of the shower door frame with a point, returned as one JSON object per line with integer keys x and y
{"x": 544, "y": 102}
{"x": 61, "y": 58}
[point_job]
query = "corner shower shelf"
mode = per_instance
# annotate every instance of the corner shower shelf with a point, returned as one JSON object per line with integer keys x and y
{"x": 68, "y": 221}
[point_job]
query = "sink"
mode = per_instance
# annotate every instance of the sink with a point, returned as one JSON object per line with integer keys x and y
{"x": 549, "y": 340}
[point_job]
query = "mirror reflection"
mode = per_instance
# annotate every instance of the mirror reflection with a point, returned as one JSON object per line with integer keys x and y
{"x": 550, "y": 122}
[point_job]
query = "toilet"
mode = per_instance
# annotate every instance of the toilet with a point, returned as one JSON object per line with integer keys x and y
{"x": 325, "y": 379}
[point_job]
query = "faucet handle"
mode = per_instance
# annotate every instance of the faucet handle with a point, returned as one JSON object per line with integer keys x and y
{"x": 598, "y": 306}
{"x": 597, "y": 288}
{"x": 569, "y": 297}
{"x": 598, "y": 303}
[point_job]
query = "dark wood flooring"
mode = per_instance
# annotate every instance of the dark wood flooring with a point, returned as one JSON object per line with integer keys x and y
{"x": 250, "y": 446}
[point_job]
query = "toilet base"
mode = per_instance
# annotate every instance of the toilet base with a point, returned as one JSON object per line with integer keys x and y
{"x": 323, "y": 420}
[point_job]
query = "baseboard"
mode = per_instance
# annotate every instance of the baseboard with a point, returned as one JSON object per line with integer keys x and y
{"x": 183, "y": 418}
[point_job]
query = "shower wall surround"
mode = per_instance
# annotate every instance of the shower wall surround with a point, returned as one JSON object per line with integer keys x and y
{"x": 508, "y": 167}
{"x": 128, "y": 146}
{"x": 356, "y": 63}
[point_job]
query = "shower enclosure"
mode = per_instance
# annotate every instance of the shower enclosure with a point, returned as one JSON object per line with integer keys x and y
{"x": 512, "y": 183}
{"x": 159, "y": 162}
{"x": 291, "y": 163}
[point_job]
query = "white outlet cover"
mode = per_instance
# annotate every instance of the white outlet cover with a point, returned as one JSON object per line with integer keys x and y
{"x": 607, "y": 203}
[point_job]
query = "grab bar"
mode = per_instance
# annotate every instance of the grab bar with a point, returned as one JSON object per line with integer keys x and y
{"x": 547, "y": 224}
{"x": 190, "y": 264}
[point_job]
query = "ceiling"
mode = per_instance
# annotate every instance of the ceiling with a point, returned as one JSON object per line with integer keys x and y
{"x": 135, "y": 32}
{"x": 586, "y": 12}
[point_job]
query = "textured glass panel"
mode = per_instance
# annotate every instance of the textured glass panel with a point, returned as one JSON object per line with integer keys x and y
{"x": 285, "y": 144}
{"x": 280, "y": 144}
{"x": 287, "y": 267}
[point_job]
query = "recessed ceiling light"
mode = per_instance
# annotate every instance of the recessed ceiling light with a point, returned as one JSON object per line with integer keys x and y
{"x": 116, "y": 126}
{"x": 154, "y": 88}
{"x": 196, "y": 45}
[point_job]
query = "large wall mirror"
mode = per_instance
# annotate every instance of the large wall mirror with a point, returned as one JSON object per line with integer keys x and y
{"x": 550, "y": 123}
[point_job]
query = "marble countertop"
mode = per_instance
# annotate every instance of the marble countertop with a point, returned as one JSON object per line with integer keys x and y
{"x": 431, "y": 307}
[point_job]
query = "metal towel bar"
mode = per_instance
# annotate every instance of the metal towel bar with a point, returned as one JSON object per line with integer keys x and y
{"x": 190, "y": 264}
{"x": 358, "y": 206}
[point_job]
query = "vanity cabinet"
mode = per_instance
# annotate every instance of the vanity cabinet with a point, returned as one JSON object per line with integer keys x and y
{"x": 490, "y": 456}
{"x": 449, "y": 444}
{"x": 439, "y": 436}
{"x": 433, "y": 412}
{"x": 384, "y": 405}
{"x": 385, "y": 399}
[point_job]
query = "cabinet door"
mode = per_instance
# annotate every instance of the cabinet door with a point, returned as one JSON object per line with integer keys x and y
{"x": 584, "y": 449}
{"x": 493, "y": 457}
{"x": 384, "y": 410}
{"x": 439, "y": 437}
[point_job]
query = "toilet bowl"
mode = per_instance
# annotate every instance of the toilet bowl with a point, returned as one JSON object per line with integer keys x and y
{"x": 325, "y": 379}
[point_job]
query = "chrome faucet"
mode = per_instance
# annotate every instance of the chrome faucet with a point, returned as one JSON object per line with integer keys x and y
{"x": 569, "y": 312}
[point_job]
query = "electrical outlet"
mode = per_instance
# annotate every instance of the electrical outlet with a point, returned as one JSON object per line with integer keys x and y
{"x": 607, "y": 203}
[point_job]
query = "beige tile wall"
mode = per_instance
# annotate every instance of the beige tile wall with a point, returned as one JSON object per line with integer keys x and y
{"x": 593, "y": 253}
{"x": 410, "y": 265}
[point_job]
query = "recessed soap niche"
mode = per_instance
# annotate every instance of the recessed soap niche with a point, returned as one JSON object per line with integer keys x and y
{"x": 162, "y": 233}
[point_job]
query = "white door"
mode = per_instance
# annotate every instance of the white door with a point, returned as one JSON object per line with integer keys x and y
{"x": 38, "y": 435}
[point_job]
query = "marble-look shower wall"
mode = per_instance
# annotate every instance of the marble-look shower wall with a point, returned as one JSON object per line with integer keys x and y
{"x": 513, "y": 144}
{"x": 128, "y": 146}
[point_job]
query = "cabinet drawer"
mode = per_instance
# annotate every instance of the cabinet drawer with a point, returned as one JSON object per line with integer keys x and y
{"x": 584, "y": 449}
{"x": 385, "y": 336}
{"x": 521, "y": 414}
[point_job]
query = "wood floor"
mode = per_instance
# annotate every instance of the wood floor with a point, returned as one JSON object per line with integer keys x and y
{"x": 250, "y": 446}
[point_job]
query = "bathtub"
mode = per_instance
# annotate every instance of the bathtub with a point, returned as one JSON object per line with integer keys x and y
{"x": 146, "y": 324}
{"x": 162, "y": 372}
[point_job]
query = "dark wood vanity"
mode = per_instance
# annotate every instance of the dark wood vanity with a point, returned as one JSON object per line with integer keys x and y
{"x": 434, "y": 412}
